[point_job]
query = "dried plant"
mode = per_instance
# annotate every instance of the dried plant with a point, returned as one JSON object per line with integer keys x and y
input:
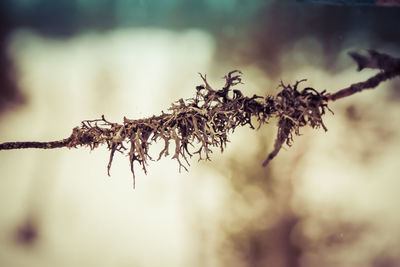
{"x": 198, "y": 124}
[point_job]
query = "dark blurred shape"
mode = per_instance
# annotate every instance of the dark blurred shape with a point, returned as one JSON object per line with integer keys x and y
{"x": 394, "y": 94}
{"x": 363, "y": 61}
{"x": 355, "y": 2}
{"x": 352, "y": 113}
{"x": 270, "y": 247}
{"x": 27, "y": 233}
{"x": 375, "y": 60}
{"x": 385, "y": 260}
{"x": 9, "y": 92}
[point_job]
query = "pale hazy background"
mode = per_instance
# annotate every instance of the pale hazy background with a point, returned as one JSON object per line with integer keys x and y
{"x": 329, "y": 200}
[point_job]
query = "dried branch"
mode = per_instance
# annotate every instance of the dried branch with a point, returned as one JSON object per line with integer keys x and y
{"x": 198, "y": 124}
{"x": 389, "y": 68}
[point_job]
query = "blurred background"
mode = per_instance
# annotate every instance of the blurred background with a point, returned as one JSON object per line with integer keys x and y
{"x": 329, "y": 200}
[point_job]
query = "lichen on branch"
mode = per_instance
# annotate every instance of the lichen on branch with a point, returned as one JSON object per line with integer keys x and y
{"x": 197, "y": 125}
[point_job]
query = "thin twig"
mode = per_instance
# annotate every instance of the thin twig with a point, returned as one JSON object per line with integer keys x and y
{"x": 41, "y": 145}
{"x": 389, "y": 66}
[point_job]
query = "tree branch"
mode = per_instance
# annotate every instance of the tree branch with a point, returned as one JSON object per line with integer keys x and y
{"x": 389, "y": 66}
{"x": 205, "y": 120}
